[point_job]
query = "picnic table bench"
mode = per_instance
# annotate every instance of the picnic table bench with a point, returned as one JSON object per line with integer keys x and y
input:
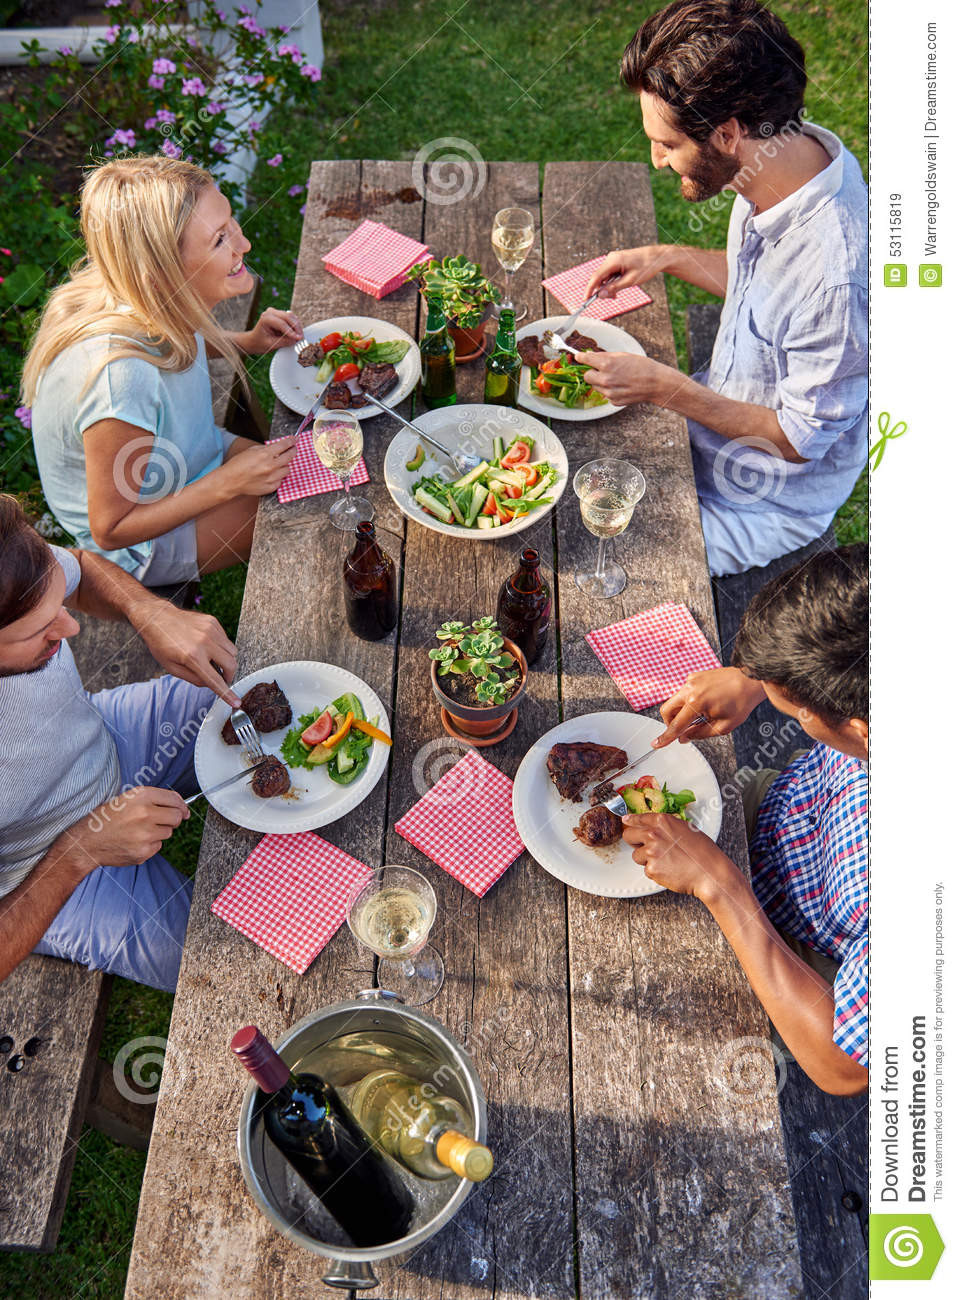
{"x": 55, "y": 1009}
{"x": 630, "y": 1162}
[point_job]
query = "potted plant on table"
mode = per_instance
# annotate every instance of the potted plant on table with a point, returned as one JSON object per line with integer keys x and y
{"x": 466, "y": 296}
{"x": 478, "y": 677}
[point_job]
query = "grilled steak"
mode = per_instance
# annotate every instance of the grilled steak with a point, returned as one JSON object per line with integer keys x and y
{"x": 582, "y": 343}
{"x": 357, "y": 400}
{"x": 377, "y": 378}
{"x": 598, "y": 828}
{"x": 531, "y": 351}
{"x": 271, "y": 779}
{"x": 573, "y": 766}
{"x": 338, "y": 397}
{"x": 268, "y": 709}
{"x": 601, "y": 793}
{"x": 311, "y": 355}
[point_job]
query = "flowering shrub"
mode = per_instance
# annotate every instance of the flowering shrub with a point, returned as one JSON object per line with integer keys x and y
{"x": 199, "y": 94}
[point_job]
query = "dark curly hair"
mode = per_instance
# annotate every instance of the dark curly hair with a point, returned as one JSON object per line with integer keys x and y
{"x": 26, "y": 563}
{"x": 712, "y": 60}
{"x": 806, "y": 632}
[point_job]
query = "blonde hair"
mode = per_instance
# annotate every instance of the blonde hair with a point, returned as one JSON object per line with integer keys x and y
{"x": 132, "y": 282}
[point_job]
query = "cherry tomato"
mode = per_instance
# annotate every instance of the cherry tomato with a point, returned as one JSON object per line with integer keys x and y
{"x": 513, "y": 492}
{"x": 506, "y": 516}
{"x": 490, "y": 507}
{"x": 359, "y": 345}
{"x": 515, "y": 455}
{"x": 550, "y": 367}
{"x": 645, "y": 783}
{"x": 528, "y": 472}
{"x": 348, "y": 370}
{"x": 545, "y": 388}
{"x": 318, "y": 731}
{"x": 331, "y": 342}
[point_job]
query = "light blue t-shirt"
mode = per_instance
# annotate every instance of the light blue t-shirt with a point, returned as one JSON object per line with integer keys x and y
{"x": 182, "y": 441}
{"x": 793, "y": 337}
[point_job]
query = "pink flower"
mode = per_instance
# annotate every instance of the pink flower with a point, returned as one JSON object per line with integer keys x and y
{"x": 170, "y": 149}
{"x": 293, "y": 51}
{"x": 164, "y": 115}
{"x": 218, "y": 146}
{"x": 155, "y": 82}
{"x": 251, "y": 25}
{"x": 294, "y": 190}
{"x": 111, "y": 34}
{"x": 254, "y": 127}
{"x": 214, "y": 107}
{"x": 127, "y": 138}
{"x": 161, "y": 66}
{"x": 112, "y": 4}
{"x": 150, "y": 123}
{"x": 6, "y": 252}
{"x": 65, "y": 51}
{"x": 24, "y": 416}
{"x": 310, "y": 70}
{"x": 275, "y": 161}
{"x": 194, "y": 86}
{"x": 254, "y": 78}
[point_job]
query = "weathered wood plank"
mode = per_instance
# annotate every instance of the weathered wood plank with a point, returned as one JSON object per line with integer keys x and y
{"x": 59, "y": 1009}
{"x": 199, "y": 1232}
{"x": 505, "y": 954}
{"x": 681, "y": 1184}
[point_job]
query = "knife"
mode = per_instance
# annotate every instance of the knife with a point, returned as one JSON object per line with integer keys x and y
{"x": 311, "y": 413}
{"x": 563, "y": 329}
{"x": 696, "y": 722}
{"x": 247, "y": 771}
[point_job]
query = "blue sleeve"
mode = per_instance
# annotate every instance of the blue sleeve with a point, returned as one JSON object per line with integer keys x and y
{"x": 127, "y": 389}
{"x": 824, "y": 392}
{"x": 851, "y": 1002}
{"x": 71, "y": 568}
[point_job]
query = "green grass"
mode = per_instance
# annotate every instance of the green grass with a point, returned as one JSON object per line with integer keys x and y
{"x": 534, "y": 81}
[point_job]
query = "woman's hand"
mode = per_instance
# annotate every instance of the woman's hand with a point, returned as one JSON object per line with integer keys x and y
{"x": 631, "y": 265}
{"x": 724, "y": 695}
{"x": 274, "y": 329}
{"x": 259, "y": 470}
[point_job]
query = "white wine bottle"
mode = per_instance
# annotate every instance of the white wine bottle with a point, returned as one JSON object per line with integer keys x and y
{"x": 418, "y": 1126}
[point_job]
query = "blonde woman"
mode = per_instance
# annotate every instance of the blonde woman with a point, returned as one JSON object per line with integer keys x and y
{"x": 131, "y": 460}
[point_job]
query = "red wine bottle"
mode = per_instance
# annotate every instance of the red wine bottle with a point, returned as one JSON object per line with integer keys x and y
{"x": 305, "y": 1119}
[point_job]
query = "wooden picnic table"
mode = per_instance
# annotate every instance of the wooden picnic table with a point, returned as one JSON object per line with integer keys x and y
{"x": 632, "y": 1160}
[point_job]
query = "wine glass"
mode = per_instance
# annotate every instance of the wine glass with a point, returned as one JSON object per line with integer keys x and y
{"x": 338, "y": 441}
{"x": 608, "y": 491}
{"x": 392, "y": 913}
{"x": 512, "y": 236}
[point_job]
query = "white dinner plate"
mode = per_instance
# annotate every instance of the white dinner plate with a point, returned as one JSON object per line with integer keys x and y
{"x": 545, "y": 821}
{"x": 316, "y": 800}
{"x": 470, "y": 427}
{"x": 609, "y": 337}
{"x": 296, "y": 385}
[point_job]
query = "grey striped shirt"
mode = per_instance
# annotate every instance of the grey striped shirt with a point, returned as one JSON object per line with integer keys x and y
{"x": 57, "y": 757}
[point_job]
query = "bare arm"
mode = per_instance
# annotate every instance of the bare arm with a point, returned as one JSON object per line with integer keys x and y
{"x": 116, "y": 460}
{"x": 27, "y": 911}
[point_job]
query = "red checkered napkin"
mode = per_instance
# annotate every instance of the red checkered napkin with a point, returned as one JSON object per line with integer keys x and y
{"x": 650, "y": 654}
{"x": 569, "y": 287}
{"x": 290, "y": 896}
{"x": 306, "y": 477}
{"x": 374, "y": 258}
{"x": 464, "y": 823}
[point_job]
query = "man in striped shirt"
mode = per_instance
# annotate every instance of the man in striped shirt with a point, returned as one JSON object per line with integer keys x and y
{"x": 90, "y": 785}
{"x": 803, "y": 644}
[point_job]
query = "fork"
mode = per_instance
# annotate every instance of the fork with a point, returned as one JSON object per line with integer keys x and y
{"x": 248, "y": 735}
{"x": 301, "y": 346}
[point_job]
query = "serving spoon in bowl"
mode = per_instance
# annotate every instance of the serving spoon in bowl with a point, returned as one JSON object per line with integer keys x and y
{"x": 463, "y": 461}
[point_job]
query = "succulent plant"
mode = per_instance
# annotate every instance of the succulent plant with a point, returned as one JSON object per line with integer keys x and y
{"x": 477, "y": 651}
{"x": 462, "y": 289}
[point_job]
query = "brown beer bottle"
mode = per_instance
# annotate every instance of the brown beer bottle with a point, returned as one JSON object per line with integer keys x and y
{"x": 525, "y": 606}
{"x": 369, "y": 584}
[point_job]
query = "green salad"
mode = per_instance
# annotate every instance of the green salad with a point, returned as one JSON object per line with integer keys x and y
{"x": 563, "y": 381}
{"x": 508, "y": 486}
{"x": 346, "y": 759}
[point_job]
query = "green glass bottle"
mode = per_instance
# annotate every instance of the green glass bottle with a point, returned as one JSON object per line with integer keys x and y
{"x": 438, "y": 353}
{"x": 503, "y": 364}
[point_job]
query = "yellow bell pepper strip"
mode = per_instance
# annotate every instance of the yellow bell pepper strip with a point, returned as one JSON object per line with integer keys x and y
{"x": 368, "y": 729}
{"x": 348, "y": 721}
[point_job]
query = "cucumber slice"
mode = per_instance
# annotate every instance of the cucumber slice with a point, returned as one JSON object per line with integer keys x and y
{"x": 467, "y": 480}
{"x": 343, "y": 761}
{"x": 498, "y": 448}
{"x": 479, "y": 494}
{"x": 507, "y": 476}
{"x": 417, "y": 459}
{"x": 537, "y": 490}
{"x": 459, "y": 516}
{"x": 486, "y": 522}
{"x": 435, "y": 506}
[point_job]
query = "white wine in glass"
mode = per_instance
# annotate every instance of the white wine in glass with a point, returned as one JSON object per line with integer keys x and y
{"x": 338, "y": 443}
{"x": 608, "y": 492}
{"x": 392, "y": 913}
{"x": 513, "y": 232}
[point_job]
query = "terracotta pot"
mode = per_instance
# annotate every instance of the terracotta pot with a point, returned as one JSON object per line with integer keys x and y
{"x": 483, "y": 720}
{"x": 470, "y": 344}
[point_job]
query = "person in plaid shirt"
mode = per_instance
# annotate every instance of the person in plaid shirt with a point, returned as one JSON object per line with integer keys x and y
{"x": 803, "y": 645}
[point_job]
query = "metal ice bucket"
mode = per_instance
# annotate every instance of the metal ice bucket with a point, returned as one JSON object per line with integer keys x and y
{"x": 342, "y": 1043}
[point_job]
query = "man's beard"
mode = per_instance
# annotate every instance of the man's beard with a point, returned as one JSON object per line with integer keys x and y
{"x": 709, "y": 175}
{"x": 45, "y": 662}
